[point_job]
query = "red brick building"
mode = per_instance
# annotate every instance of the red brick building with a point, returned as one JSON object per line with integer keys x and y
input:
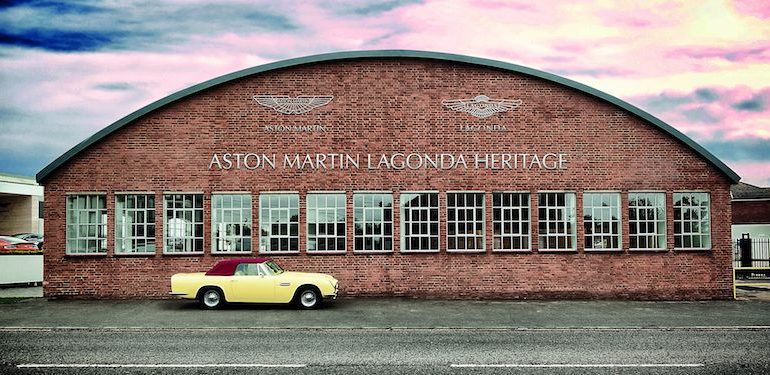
{"x": 751, "y": 211}
{"x": 401, "y": 173}
{"x": 751, "y": 204}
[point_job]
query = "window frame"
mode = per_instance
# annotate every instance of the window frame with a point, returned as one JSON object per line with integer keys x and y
{"x": 256, "y": 266}
{"x": 619, "y": 221}
{"x": 166, "y": 194}
{"x": 572, "y": 236}
{"x": 103, "y": 227}
{"x": 502, "y": 221}
{"x": 664, "y": 220}
{"x": 402, "y": 222}
{"x": 263, "y": 220}
{"x": 337, "y": 236}
{"x": 483, "y": 221}
{"x": 117, "y": 214}
{"x": 708, "y": 219}
{"x": 213, "y": 222}
{"x": 383, "y": 222}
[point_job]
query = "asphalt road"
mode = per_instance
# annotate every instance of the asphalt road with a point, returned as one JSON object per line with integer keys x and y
{"x": 373, "y": 351}
{"x": 388, "y": 313}
{"x": 379, "y": 336}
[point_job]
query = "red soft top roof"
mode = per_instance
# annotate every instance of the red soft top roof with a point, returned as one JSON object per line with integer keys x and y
{"x": 226, "y": 267}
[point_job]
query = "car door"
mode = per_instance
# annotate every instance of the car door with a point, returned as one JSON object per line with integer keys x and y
{"x": 251, "y": 284}
{"x": 285, "y": 286}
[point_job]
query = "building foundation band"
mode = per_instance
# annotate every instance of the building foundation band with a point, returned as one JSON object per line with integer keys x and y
{"x": 400, "y": 173}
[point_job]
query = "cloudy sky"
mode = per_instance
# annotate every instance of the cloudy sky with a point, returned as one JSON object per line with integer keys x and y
{"x": 70, "y": 68}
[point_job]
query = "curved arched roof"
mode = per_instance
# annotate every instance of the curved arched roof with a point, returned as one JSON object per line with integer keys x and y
{"x": 352, "y": 55}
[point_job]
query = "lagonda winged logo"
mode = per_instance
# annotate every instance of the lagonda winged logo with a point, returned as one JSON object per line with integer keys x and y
{"x": 482, "y": 106}
{"x": 293, "y": 106}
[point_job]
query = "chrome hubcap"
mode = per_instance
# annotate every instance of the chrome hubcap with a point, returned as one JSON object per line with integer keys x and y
{"x": 308, "y": 298}
{"x": 211, "y": 298}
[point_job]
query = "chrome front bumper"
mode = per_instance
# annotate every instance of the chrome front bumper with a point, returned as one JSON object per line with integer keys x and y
{"x": 336, "y": 291}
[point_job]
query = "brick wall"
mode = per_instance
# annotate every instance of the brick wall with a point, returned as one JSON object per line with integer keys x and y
{"x": 386, "y": 106}
{"x": 751, "y": 212}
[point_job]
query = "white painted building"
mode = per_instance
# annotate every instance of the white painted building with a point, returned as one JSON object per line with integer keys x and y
{"x": 21, "y": 205}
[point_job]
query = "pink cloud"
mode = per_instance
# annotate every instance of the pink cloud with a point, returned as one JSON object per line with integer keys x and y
{"x": 640, "y": 15}
{"x": 757, "y": 8}
{"x": 715, "y": 112}
{"x": 755, "y": 173}
{"x": 629, "y": 49}
{"x": 745, "y": 53}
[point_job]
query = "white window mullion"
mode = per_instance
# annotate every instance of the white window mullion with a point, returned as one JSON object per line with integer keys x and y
{"x": 419, "y": 222}
{"x": 464, "y": 222}
{"x": 647, "y": 221}
{"x": 86, "y": 219}
{"x": 557, "y": 230}
{"x": 600, "y": 210}
{"x": 279, "y": 223}
{"x": 326, "y": 223}
{"x": 371, "y": 210}
{"x": 135, "y": 223}
{"x": 183, "y": 219}
{"x": 692, "y": 221}
{"x": 231, "y": 223}
{"x": 511, "y": 221}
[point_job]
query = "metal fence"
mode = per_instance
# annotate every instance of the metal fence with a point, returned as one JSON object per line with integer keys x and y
{"x": 751, "y": 252}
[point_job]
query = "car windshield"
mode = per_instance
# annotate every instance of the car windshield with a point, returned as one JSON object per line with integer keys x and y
{"x": 274, "y": 267}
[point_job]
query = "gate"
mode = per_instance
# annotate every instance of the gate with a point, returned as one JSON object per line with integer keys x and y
{"x": 751, "y": 263}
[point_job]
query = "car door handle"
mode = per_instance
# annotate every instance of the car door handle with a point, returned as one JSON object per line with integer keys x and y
{"x": 233, "y": 281}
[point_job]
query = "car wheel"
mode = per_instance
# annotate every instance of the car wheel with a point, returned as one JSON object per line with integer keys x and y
{"x": 212, "y": 298}
{"x": 308, "y": 298}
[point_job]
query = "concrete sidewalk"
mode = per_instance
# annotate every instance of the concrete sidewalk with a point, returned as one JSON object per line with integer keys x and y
{"x": 389, "y": 313}
{"x": 18, "y": 292}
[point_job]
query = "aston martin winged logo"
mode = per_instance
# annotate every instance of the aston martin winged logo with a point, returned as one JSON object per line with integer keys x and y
{"x": 293, "y": 106}
{"x": 481, "y": 106}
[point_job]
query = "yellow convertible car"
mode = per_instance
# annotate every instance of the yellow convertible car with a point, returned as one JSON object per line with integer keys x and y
{"x": 254, "y": 280}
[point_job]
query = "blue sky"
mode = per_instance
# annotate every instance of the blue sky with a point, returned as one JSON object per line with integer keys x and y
{"x": 68, "y": 69}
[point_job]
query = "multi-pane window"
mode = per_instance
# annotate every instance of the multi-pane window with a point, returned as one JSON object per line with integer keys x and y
{"x": 419, "y": 222}
{"x": 373, "y": 218}
{"x": 86, "y": 224}
{"x": 510, "y": 221}
{"x": 326, "y": 222}
{"x": 601, "y": 219}
{"x": 556, "y": 221}
{"x": 134, "y": 223}
{"x": 692, "y": 221}
{"x": 279, "y": 223}
{"x": 647, "y": 221}
{"x": 183, "y": 229}
{"x": 465, "y": 221}
{"x": 231, "y": 223}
